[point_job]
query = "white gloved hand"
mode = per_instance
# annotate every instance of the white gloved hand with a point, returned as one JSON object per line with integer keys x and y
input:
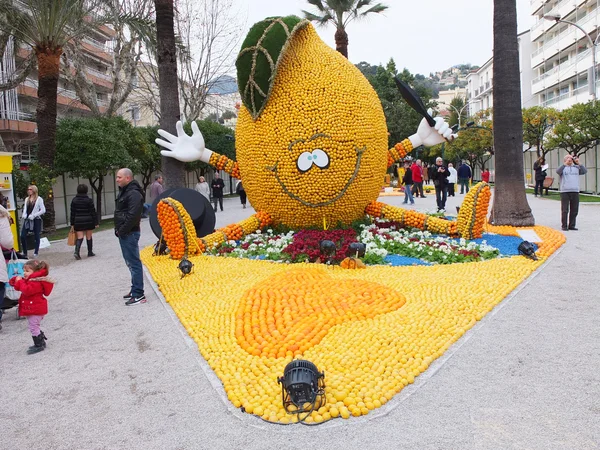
{"x": 183, "y": 147}
{"x": 428, "y": 136}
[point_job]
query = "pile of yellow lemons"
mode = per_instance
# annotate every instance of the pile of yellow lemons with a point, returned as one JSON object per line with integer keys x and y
{"x": 473, "y": 211}
{"x": 249, "y": 325}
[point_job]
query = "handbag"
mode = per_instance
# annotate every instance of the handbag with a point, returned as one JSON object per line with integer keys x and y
{"x": 14, "y": 268}
{"x": 72, "y": 237}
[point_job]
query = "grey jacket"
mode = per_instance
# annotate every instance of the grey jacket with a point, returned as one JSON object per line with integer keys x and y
{"x": 569, "y": 177}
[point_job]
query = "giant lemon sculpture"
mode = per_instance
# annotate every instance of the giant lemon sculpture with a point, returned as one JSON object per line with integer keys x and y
{"x": 312, "y": 150}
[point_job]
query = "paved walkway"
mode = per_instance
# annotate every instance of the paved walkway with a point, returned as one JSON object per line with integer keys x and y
{"x": 116, "y": 377}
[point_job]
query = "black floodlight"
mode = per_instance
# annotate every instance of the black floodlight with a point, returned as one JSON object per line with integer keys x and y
{"x": 185, "y": 266}
{"x": 327, "y": 247}
{"x": 160, "y": 248}
{"x": 356, "y": 249}
{"x": 527, "y": 249}
{"x": 302, "y": 388}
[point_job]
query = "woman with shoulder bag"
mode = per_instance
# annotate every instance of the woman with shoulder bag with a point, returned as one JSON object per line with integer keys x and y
{"x": 7, "y": 242}
{"x": 33, "y": 210}
{"x": 83, "y": 219}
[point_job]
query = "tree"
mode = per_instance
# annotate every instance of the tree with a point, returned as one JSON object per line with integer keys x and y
{"x": 93, "y": 148}
{"x": 402, "y": 120}
{"x": 217, "y": 137}
{"x": 457, "y": 104}
{"x": 47, "y": 26}
{"x": 510, "y": 205}
{"x": 131, "y": 21}
{"x": 340, "y": 13}
{"x": 166, "y": 56}
{"x": 146, "y": 153}
{"x": 475, "y": 143}
{"x": 577, "y": 129}
{"x": 538, "y": 121}
{"x": 210, "y": 35}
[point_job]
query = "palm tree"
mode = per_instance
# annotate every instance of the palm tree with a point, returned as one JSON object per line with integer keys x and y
{"x": 340, "y": 13}
{"x": 166, "y": 56}
{"x": 510, "y": 205}
{"x": 46, "y": 26}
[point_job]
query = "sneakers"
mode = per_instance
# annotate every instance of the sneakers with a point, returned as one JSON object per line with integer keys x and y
{"x": 127, "y": 296}
{"x": 136, "y": 300}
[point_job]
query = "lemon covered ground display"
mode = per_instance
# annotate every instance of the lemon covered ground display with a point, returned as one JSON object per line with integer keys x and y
{"x": 371, "y": 331}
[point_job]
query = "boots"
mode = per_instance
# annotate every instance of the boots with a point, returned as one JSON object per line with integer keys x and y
{"x": 38, "y": 344}
{"x": 89, "y": 246}
{"x": 78, "y": 248}
{"x": 44, "y": 338}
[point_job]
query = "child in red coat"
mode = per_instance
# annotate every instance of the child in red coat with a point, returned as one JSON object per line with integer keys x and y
{"x": 34, "y": 286}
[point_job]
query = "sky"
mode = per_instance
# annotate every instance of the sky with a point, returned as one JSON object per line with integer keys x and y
{"x": 421, "y": 35}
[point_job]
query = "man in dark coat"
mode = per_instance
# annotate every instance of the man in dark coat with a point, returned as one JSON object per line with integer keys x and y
{"x": 217, "y": 191}
{"x": 464, "y": 175}
{"x": 128, "y": 212}
{"x": 440, "y": 181}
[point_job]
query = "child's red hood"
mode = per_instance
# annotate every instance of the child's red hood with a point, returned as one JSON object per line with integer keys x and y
{"x": 42, "y": 276}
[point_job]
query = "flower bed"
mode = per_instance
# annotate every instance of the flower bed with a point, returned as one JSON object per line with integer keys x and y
{"x": 382, "y": 238}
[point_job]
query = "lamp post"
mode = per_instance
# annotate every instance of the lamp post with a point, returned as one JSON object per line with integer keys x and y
{"x": 457, "y": 111}
{"x": 557, "y": 18}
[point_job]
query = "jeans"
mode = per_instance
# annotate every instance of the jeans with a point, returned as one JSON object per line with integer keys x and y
{"x": 37, "y": 230}
{"x": 131, "y": 255}
{"x": 464, "y": 184}
{"x": 408, "y": 194}
{"x": 220, "y": 199}
{"x": 418, "y": 188}
{"x": 146, "y": 210}
{"x": 569, "y": 205}
{"x": 441, "y": 194}
{"x": 539, "y": 187}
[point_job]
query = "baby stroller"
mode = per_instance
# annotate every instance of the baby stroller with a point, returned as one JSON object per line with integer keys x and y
{"x": 11, "y": 300}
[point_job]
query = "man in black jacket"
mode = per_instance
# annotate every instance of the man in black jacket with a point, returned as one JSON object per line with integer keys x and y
{"x": 440, "y": 181}
{"x": 128, "y": 212}
{"x": 217, "y": 190}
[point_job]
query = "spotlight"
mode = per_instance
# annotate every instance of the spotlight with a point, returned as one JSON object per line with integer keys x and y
{"x": 527, "y": 249}
{"x": 160, "y": 248}
{"x": 302, "y": 388}
{"x": 185, "y": 266}
{"x": 328, "y": 249}
{"x": 356, "y": 249}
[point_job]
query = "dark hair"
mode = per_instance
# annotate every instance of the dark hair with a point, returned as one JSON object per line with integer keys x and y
{"x": 82, "y": 189}
{"x": 37, "y": 265}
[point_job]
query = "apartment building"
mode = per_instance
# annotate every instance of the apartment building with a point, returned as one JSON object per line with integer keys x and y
{"x": 18, "y": 105}
{"x": 561, "y": 55}
{"x": 481, "y": 81}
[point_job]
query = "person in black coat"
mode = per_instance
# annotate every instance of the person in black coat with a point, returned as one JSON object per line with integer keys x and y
{"x": 440, "y": 181}
{"x": 540, "y": 175}
{"x": 83, "y": 219}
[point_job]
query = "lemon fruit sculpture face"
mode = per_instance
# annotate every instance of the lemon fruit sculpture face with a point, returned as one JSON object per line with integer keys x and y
{"x": 312, "y": 139}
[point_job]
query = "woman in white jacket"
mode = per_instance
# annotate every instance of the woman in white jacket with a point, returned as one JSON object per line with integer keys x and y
{"x": 33, "y": 209}
{"x": 6, "y": 241}
{"x": 452, "y": 180}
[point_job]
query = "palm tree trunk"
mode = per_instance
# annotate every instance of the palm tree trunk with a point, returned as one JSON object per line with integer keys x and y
{"x": 48, "y": 60}
{"x": 173, "y": 170}
{"x": 341, "y": 41}
{"x": 510, "y": 205}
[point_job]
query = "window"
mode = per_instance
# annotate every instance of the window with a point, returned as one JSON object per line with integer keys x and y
{"x": 135, "y": 80}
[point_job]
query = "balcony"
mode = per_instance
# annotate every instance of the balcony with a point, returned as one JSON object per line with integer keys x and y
{"x": 64, "y": 97}
{"x": 562, "y": 72}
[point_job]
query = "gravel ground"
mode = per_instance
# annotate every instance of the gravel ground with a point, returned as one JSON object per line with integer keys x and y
{"x": 112, "y": 377}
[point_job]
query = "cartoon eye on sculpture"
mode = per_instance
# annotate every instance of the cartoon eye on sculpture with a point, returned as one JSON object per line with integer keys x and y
{"x": 311, "y": 137}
